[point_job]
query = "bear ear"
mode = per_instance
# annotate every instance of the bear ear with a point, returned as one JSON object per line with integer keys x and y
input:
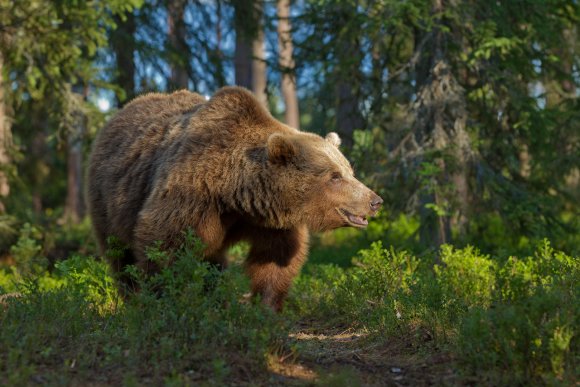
{"x": 333, "y": 138}
{"x": 280, "y": 148}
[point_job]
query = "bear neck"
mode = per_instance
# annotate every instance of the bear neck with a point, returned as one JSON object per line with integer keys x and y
{"x": 257, "y": 193}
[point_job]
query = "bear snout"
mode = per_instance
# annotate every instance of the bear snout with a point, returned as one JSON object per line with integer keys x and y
{"x": 376, "y": 202}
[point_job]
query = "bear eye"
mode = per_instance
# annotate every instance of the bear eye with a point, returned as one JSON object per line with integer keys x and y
{"x": 336, "y": 176}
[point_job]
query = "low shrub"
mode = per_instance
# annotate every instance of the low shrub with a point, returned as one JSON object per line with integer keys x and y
{"x": 465, "y": 276}
{"x": 508, "y": 321}
{"x": 530, "y": 331}
{"x": 187, "y": 322}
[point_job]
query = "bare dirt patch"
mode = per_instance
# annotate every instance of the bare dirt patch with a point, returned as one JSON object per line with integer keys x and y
{"x": 354, "y": 357}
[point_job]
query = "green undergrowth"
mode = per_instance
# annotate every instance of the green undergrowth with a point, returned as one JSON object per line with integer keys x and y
{"x": 505, "y": 320}
{"x": 511, "y": 321}
{"x": 188, "y": 323}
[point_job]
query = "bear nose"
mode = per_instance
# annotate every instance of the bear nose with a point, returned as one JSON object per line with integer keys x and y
{"x": 376, "y": 203}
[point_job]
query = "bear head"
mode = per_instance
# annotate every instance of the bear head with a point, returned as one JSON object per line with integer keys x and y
{"x": 318, "y": 183}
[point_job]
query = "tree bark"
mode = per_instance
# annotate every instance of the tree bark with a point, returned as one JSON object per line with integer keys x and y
{"x": 348, "y": 116}
{"x": 74, "y": 205}
{"x": 39, "y": 153}
{"x": 123, "y": 44}
{"x": 286, "y": 61}
{"x": 244, "y": 36}
{"x": 347, "y": 77}
{"x": 243, "y": 62}
{"x": 5, "y": 140}
{"x": 259, "y": 79}
{"x": 250, "y": 64}
{"x": 440, "y": 129}
{"x": 177, "y": 34}
{"x": 216, "y": 56}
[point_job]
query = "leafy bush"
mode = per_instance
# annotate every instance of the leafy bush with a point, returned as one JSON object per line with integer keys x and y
{"x": 188, "y": 320}
{"x": 466, "y": 276}
{"x": 510, "y": 321}
{"x": 530, "y": 330}
{"x": 27, "y": 251}
{"x": 520, "y": 278}
{"x": 368, "y": 294}
{"x": 69, "y": 238}
{"x": 8, "y": 232}
{"x": 89, "y": 277}
{"x": 315, "y": 289}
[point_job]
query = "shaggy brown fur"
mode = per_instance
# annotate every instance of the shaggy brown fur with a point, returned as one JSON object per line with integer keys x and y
{"x": 229, "y": 171}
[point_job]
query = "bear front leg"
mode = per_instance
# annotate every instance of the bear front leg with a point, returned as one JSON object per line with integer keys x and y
{"x": 275, "y": 258}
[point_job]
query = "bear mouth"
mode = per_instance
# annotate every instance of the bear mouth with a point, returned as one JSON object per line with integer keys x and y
{"x": 354, "y": 220}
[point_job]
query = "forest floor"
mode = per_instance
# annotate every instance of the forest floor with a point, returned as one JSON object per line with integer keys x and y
{"x": 382, "y": 318}
{"x": 340, "y": 357}
{"x": 347, "y": 357}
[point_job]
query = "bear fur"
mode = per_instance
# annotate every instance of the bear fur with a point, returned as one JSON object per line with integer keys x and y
{"x": 226, "y": 169}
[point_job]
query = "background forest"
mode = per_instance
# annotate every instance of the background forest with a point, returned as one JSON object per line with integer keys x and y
{"x": 464, "y": 115}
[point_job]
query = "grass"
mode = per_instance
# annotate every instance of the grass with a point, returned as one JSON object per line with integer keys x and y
{"x": 386, "y": 317}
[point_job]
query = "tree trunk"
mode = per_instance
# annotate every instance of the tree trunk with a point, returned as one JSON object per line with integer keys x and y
{"x": 250, "y": 65}
{"x": 572, "y": 179}
{"x": 348, "y": 116}
{"x": 73, "y": 211}
{"x": 244, "y": 36}
{"x": 123, "y": 44}
{"x": 5, "y": 140}
{"x": 348, "y": 76}
{"x": 243, "y": 62}
{"x": 259, "y": 79}
{"x": 440, "y": 120}
{"x": 286, "y": 60}
{"x": 216, "y": 56}
{"x": 39, "y": 153}
{"x": 179, "y": 57}
{"x": 561, "y": 86}
{"x": 74, "y": 204}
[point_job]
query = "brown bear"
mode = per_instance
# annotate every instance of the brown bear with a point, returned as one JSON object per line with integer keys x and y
{"x": 226, "y": 169}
